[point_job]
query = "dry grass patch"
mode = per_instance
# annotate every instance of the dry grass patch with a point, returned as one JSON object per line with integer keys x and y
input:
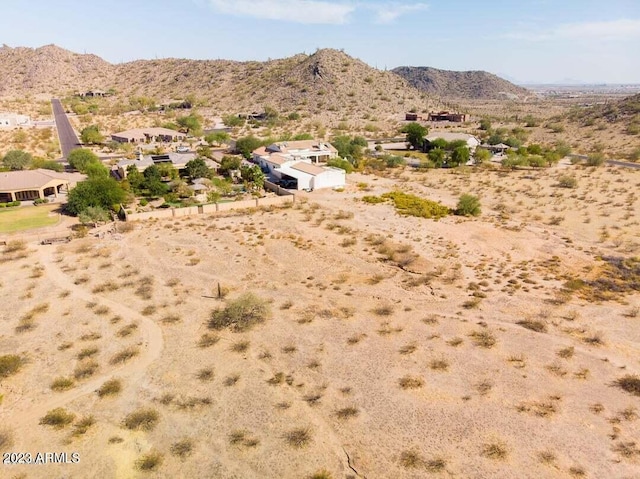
{"x": 240, "y": 314}
{"x": 240, "y": 346}
{"x": 62, "y": 384}
{"x": 87, "y": 353}
{"x": 566, "y": 353}
{"x": 207, "y": 340}
{"x": 171, "y": 319}
{"x": 143, "y": 419}
{"x": 533, "y": 325}
{"x": 408, "y": 349}
{"x": 629, "y": 383}
{"x": 182, "y": 449}
{"x": 127, "y": 330}
{"x": 58, "y": 418}
{"x": 85, "y": 370}
{"x": 411, "y": 382}
{"x": 111, "y": 387}
{"x": 411, "y": 459}
{"x": 124, "y": 355}
{"x": 82, "y": 426}
{"x": 540, "y": 408}
{"x": 149, "y": 462}
{"x": 6, "y": 439}
{"x": 298, "y": 438}
{"x": 10, "y": 364}
{"x": 439, "y": 364}
{"x": 496, "y": 451}
{"x": 242, "y": 438}
{"x": 205, "y": 374}
{"x": 347, "y": 412}
{"x": 483, "y": 339}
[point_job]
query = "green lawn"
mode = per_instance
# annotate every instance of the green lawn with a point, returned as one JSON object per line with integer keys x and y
{"x": 26, "y": 218}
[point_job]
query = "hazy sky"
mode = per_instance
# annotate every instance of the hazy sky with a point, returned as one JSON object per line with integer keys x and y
{"x": 524, "y": 40}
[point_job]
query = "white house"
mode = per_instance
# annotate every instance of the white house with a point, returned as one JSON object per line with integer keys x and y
{"x": 299, "y": 160}
{"x": 314, "y": 177}
{"x": 472, "y": 141}
{"x": 13, "y": 120}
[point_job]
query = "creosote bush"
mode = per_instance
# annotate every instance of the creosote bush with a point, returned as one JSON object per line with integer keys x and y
{"x": 468, "y": 205}
{"x": 57, "y": 418}
{"x": 10, "y": 364}
{"x": 141, "y": 419}
{"x": 240, "y": 314}
{"x": 629, "y": 383}
{"x": 110, "y": 388}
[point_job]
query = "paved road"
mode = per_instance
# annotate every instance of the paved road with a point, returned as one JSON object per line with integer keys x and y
{"x": 625, "y": 164}
{"x": 68, "y": 138}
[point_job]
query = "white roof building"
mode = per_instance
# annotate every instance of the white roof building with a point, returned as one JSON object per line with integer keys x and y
{"x": 13, "y": 120}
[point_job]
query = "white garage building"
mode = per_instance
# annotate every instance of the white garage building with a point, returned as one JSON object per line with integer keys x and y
{"x": 313, "y": 177}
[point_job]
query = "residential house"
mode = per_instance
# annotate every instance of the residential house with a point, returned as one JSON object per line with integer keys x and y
{"x": 142, "y": 162}
{"x": 13, "y": 120}
{"x": 26, "y": 185}
{"x": 148, "y": 135}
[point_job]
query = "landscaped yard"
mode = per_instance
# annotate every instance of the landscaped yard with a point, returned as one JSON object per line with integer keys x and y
{"x": 26, "y": 218}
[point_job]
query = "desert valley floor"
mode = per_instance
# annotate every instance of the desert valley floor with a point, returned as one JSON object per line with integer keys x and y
{"x": 396, "y": 347}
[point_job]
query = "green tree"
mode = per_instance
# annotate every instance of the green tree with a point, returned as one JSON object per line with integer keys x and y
{"x": 459, "y": 156}
{"x": 246, "y": 145}
{"x": 415, "y": 134}
{"x": 468, "y": 205}
{"x": 99, "y": 191}
{"x": 93, "y": 170}
{"x": 253, "y": 176}
{"x": 152, "y": 172}
{"x": 341, "y": 163}
{"x": 233, "y": 121}
{"x": 135, "y": 178}
{"x": 168, "y": 171}
{"x": 481, "y": 155}
{"x": 197, "y": 168}
{"x": 94, "y": 215}
{"x": 563, "y": 149}
{"x": 80, "y": 158}
{"x": 485, "y": 124}
{"x": 91, "y": 135}
{"x": 217, "y": 138}
{"x": 204, "y": 151}
{"x": 228, "y": 164}
{"x": 350, "y": 148}
{"x": 437, "y": 156}
{"x": 595, "y": 159}
{"x": 191, "y": 124}
{"x": 17, "y": 160}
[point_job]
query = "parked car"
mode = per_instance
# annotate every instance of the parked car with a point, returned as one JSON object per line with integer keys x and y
{"x": 182, "y": 149}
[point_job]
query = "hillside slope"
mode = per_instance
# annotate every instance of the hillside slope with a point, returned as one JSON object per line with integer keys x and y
{"x": 327, "y": 81}
{"x": 51, "y": 70}
{"x": 454, "y": 84}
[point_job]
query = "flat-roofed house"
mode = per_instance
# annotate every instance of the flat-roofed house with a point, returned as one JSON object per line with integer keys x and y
{"x": 142, "y": 162}
{"x": 148, "y": 135}
{"x": 29, "y": 185}
{"x": 13, "y": 120}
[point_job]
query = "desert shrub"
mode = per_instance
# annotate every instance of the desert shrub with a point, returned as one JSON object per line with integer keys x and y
{"x": 298, "y": 438}
{"x": 595, "y": 159}
{"x": 83, "y": 425}
{"x": 87, "y": 353}
{"x": 483, "y": 339}
{"x": 347, "y": 412}
{"x": 533, "y": 325}
{"x": 496, "y": 451}
{"x": 322, "y": 474}
{"x": 6, "y": 439}
{"x": 182, "y": 448}
{"x": 10, "y": 364}
{"x": 124, "y": 355}
{"x": 412, "y": 205}
{"x": 629, "y": 383}
{"x": 411, "y": 459}
{"x": 410, "y": 382}
{"x": 141, "y": 420}
{"x": 149, "y": 462}
{"x": 207, "y": 340}
{"x": 85, "y": 370}
{"x": 57, "y": 418}
{"x": 62, "y": 384}
{"x": 566, "y": 181}
{"x": 468, "y": 205}
{"x": 240, "y": 314}
{"x": 110, "y": 388}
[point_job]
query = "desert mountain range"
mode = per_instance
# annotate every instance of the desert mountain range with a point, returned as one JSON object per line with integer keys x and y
{"x": 325, "y": 80}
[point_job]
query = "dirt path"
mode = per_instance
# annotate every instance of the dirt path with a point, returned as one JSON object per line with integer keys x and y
{"x": 152, "y": 345}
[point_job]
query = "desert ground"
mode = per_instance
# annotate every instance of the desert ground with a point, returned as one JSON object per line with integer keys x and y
{"x": 394, "y": 347}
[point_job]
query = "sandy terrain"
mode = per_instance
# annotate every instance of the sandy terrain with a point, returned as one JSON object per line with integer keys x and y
{"x": 393, "y": 342}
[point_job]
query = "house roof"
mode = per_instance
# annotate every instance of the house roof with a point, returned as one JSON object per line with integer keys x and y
{"x": 278, "y": 159}
{"x": 450, "y": 136}
{"x": 312, "y": 146}
{"x": 144, "y": 132}
{"x": 308, "y": 168}
{"x": 34, "y": 179}
{"x": 177, "y": 159}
